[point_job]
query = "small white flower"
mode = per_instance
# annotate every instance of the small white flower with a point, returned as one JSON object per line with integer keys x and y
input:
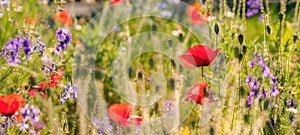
{"x": 178, "y": 32}
{"x": 292, "y": 110}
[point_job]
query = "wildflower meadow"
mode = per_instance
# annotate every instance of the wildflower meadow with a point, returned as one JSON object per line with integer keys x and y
{"x": 149, "y": 67}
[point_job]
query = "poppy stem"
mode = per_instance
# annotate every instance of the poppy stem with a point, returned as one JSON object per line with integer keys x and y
{"x": 202, "y": 74}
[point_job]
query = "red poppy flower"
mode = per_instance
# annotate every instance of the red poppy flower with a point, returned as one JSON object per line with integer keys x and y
{"x": 63, "y": 17}
{"x": 113, "y": 2}
{"x": 198, "y": 55}
{"x": 120, "y": 113}
{"x": 56, "y": 77}
{"x": 10, "y": 104}
{"x": 199, "y": 93}
{"x": 195, "y": 12}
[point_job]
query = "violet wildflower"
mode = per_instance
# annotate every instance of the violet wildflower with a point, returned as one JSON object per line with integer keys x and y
{"x": 64, "y": 39}
{"x": 254, "y": 7}
{"x": 251, "y": 64}
{"x": 30, "y": 113}
{"x": 7, "y": 121}
{"x": 48, "y": 66}
{"x": 26, "y": 47}
{"x": 274, "y": 79}
{"x": 249, "y": 101}
{"x": 291, "y": 103}
{"x": 291, "y": 119}
{"x": 254, "y": 85}
{"x": 274, "y": 91}
{"x": 168, "y": 107}
{"x": 39, "y": 47}
{"x": 38, "y": 126}
{"x": 149, "y": 80}
{"x": 260, "y": 60}
{"x": 70, "y": 92}
{"x": 102, "y": 124}
{"x": 264, "y": 92}
{"x": 11, "y": 50}
{"x": 23, "y": 126}
{"x": 265, "y": 70}
{"x": 248, "y": 79}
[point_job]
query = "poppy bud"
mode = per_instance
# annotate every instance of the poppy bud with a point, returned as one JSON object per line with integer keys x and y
{"x": 154, "y": 27}
{"x": 266, "y": 104}
{"x": 180, "y": 37}
{"x": 217, "y": 28}
{"x": 151, "y": 62}
{"x": 170, "y": 42}
{"x": 130, "y": 72}
{"x": 241, "y": 38}
{"x": 32, "y": 80}
{"x": 269, "y": 30}
{"x": 244, "y": 49}
{"x": 140, "y": 75}
{"x": 295, "y": 38}
{"x": 281, "y": 16}
{"x": 171, "y": 83}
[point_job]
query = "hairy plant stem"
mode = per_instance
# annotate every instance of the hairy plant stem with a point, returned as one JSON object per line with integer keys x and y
{"x": 280, "y": 59}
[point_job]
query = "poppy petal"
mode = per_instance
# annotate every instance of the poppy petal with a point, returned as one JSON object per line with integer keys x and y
{"x": 120, "y": 113}
{"x": 197, "y": 93}
{"x": 198, "y": 55}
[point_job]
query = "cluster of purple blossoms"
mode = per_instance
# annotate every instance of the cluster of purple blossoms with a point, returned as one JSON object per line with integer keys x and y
{"x": 291, "y": 107}
{"x": 39, "y": 47}
{"x": 7, "y": 121}
{"x": 274, "y": 91}
{"x": 48, "y": 66}
{"x": 102, "y": 124}
{"x": 168, "y": 106}
{"x": 253, "y": 81}
{"x": 70, "y": 92}
{"x": 254, "y": 7}
{"x": 11, "y": 50}
{"x": 30, "y": 115}
{"x": 64, "y": 39}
